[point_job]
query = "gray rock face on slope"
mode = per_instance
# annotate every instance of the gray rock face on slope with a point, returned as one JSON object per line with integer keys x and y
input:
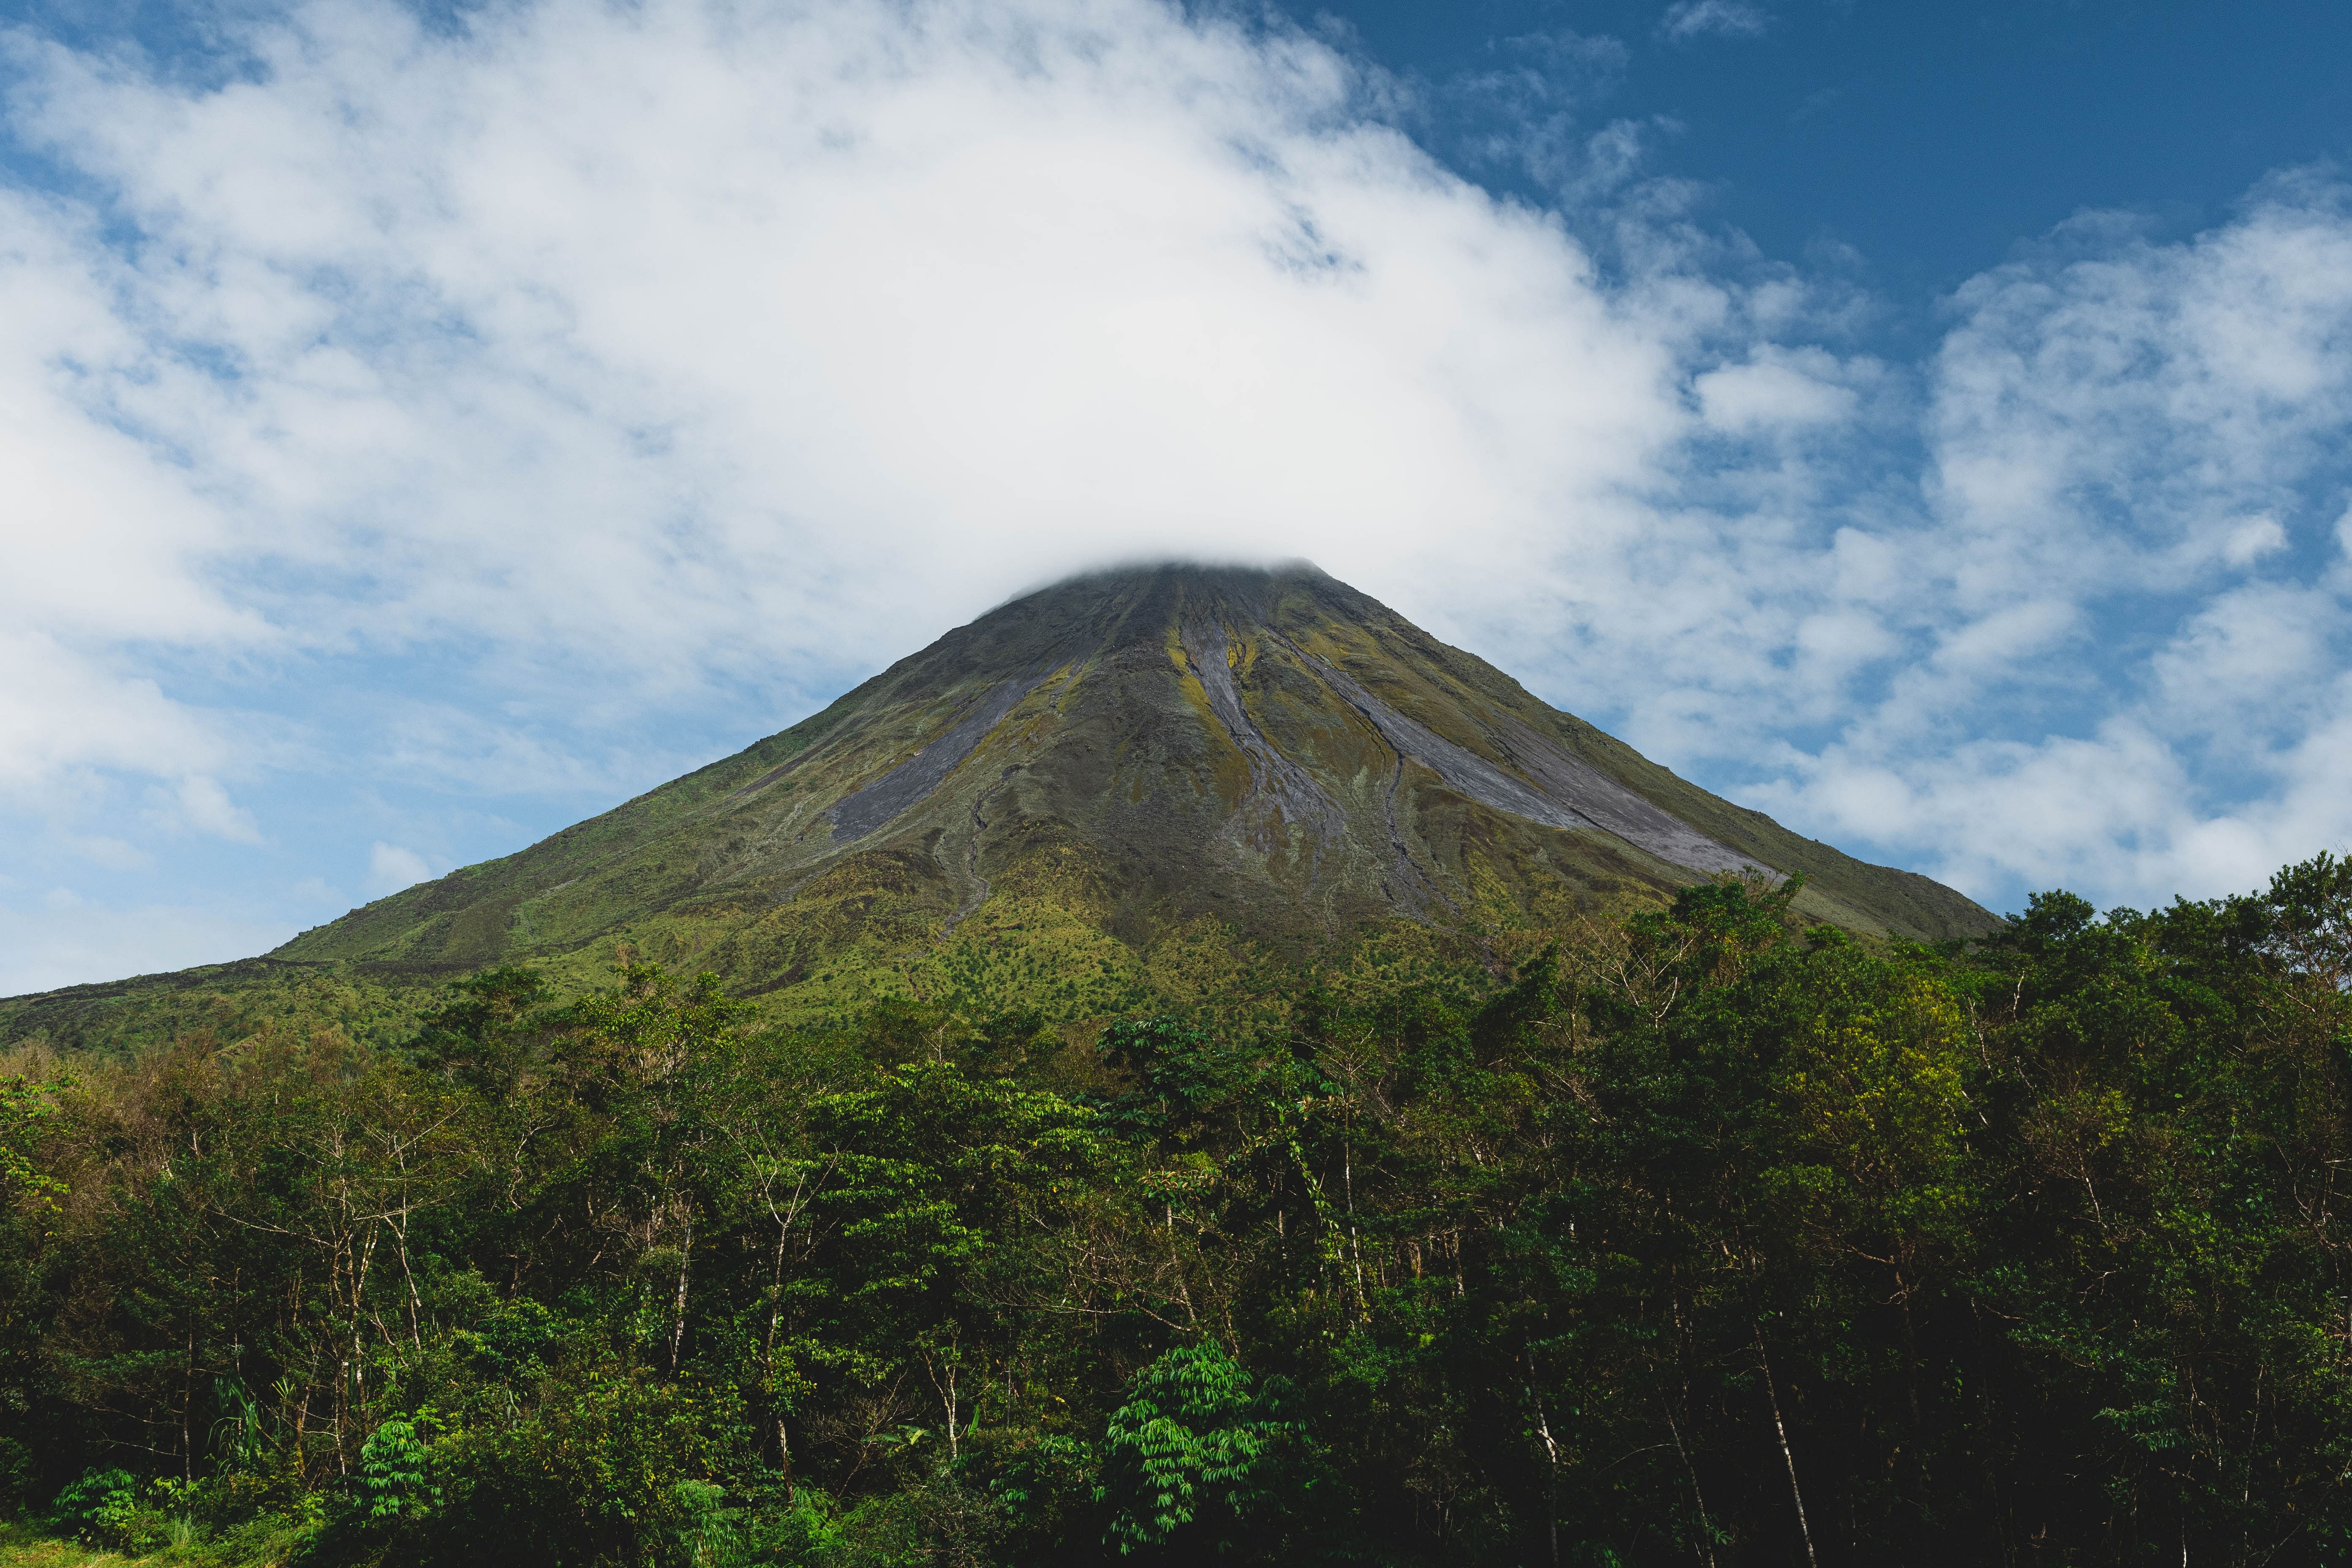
{"x": 1283, "y": 795}
{"x": 860, "y": 812}
{"x": 1559, "y": 791}
{"x": 1543, "y": 784}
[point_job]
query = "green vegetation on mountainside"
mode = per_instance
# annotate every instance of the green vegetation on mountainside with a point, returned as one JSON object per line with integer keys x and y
{"x": 1041, "y": 943}
{"x": 1699, "y": 1235}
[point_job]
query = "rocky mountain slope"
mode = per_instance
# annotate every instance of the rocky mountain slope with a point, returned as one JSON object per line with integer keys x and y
{"x": 1139, "y": 785}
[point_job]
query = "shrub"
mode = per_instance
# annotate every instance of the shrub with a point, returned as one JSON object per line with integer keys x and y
{"x": 395, "y": 1471}
{"x": 1192, "y": 1450}
{"x": 98, "y": 1508}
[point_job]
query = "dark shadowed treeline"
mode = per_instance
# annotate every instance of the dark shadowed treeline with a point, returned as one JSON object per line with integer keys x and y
{"x": 1703, "y": 1240}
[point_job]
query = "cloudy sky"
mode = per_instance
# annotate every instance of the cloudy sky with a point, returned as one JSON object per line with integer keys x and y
{"x": 424, "y": 427}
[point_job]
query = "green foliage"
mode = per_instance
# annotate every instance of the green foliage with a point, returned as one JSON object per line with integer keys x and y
{"x": 1178, "y": 1072}
{"x": 1191, "y": 1453}
{"x": 2025, "y": 1252}
{"x": 99, "y": 1507}
{"x": 394, "y": 1473}
{"x": 24, "y": 1106}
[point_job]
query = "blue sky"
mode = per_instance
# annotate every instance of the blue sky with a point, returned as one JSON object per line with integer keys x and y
{"x": 1930, "y": 140}
{"x": 1927, "y": 423}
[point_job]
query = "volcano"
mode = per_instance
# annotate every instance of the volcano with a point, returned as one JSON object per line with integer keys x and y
{"x": 1116, "y": 789}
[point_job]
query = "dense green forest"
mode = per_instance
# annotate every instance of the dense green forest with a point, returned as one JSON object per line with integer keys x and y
{"x": 1700, "y": 1238}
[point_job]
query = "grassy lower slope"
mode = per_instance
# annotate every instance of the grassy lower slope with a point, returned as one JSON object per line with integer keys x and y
{"x": 461, "y": 921}
{"x": 1046, "y": 941}
{"x": 226, "y": 1000}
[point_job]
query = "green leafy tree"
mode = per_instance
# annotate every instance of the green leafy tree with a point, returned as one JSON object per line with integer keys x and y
{"x": 1192, "y": 1453}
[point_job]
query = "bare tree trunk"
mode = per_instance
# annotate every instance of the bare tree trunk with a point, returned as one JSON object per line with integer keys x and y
{"x": 1551, "y": 1456}
{"x": 949, "y": 1399}
{"x": 784, "y": 1218}
{"x": 685, "y": 1257}
{"x": 1348, "y": 1183}
{"x": 354, "y": 1389}
{"x": 1786, "y": 1457}
{"x": 1705, "y": 1531}
{"x": 415, "y": 1303}
{"x": 187, "y": 1402}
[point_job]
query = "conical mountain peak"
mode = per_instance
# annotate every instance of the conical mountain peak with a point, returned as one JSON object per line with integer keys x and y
{"x": 1115, "y": 788}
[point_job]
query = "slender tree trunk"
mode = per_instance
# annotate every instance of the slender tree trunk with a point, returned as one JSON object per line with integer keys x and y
{"x": 1183, "y": 1285}
{"x": 784, "y": 1218}
{"x": 949, "y": 1399}
{"x": 1681, "y": 1355}
{"x": 2246, "y": 1498}
{"x": 1786, "y": 1457}
{"x": 1348, "y": 1183}
{"x": 415, "y": 1303}
{"x": 685, "y": 1257}
{"x": 1706, "y": 1531}
{"x": 187, "y": 1402}
{"x": 354, "y": 1389}
{"x": 1551, "y": 1456}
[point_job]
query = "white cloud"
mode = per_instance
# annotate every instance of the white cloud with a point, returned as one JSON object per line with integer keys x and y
{"x": 1777, "y": 387}
{"x": 661, "y": 342}
{"x": 2006, "y": 637}
{"x": 1717, "y": 18}
{"x": 2071, "y": 812}
{"x": 2118, "y": 431}
{"x": 114, "y": 854}
{"x": 201, "y": 802}
{"x": 391, "y": 868}
{"x": 2114, "y": 422}
{"x": 63, "y": 709}
{"x": 2254, "y": 661}
{"x": 2250, "y": 541}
